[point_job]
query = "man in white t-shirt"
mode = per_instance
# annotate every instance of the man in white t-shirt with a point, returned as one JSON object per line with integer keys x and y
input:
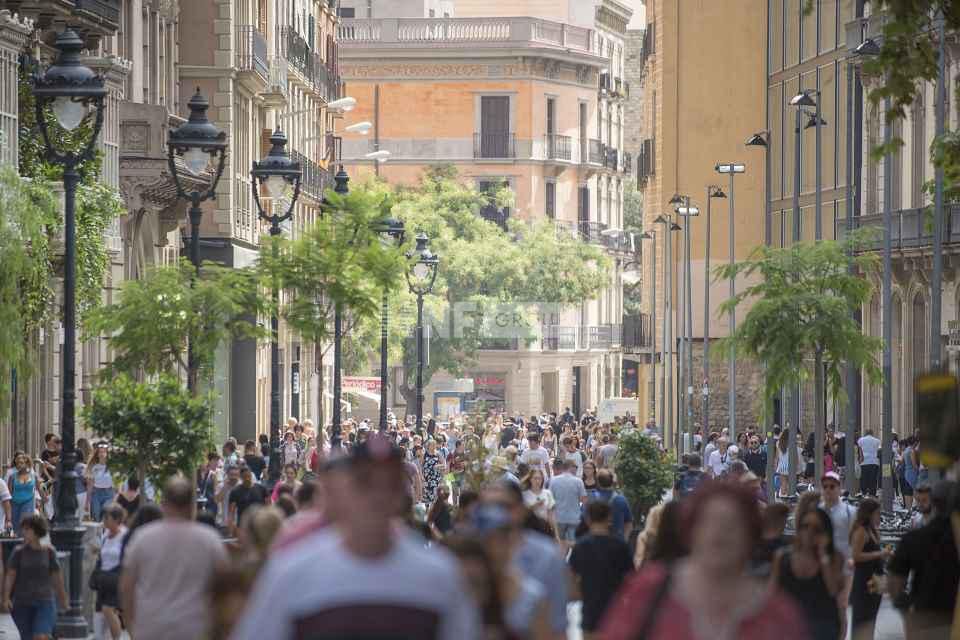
{"x": 570, "y": 452}
{"x": 377, "y": 581}
{"x": 868, "y": 448}
{"x": 6, "y": 521}
{"x": 842, "y": 516}
{"x": 719, "y": 460}
{"x": 536, "y": 457}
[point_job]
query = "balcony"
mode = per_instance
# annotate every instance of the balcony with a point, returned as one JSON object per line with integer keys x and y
{"x": 637, "y": 333}
{"x": 604, "y": 336}
{"x": 595, "y": 153}
{"x": 557, "y": 147}
{"x": 476, "y": 33}
{"x": 499, "y": 344}
{"x": 627, "y": 166}
{"x": 911, "y": 228}
{"x": 610, "y": 158}
{"x": 252, "y": 52}
{"x": 315, "y": 178}
{"x": 494, "y": 146}
{"x": 307, "y": 62}
{"x": 592, "y": 231}
{"x": 91, "y": 18}
{"x": 558, "y": 338}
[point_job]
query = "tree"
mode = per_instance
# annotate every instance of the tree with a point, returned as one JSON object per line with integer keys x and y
{"x": 632, "y": 223}
{"x": 482, "y": 266}
{"x": 155, "y": 318}
{"x": 159, "y": 417}
{"x": 643, "y": 471}
{"x": 802, "y": 302}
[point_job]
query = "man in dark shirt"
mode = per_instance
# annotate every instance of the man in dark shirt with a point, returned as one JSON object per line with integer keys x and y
{"x": 507, "y": 435}
{"x": 755, "y": 458}
{"x": 599, "y": 562}
{"x": 244, "y": 495}
{"x": 930, "y": 555}
{"x": 252, "y": 459}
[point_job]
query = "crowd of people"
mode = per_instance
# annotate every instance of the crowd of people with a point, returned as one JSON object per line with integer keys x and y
{"x": 482, "y": 528}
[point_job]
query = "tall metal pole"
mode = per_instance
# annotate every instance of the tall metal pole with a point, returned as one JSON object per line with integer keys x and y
{"x": 887, "y": 311}
{"x": 653, "y": 330}
{"x": 383, "y": 364}
{"x": 732, "y": 358}
{"x": 196, "y": 214}
{"x": 337, "y": 365}
{"x": 936, "y": 283}
{"x": 67, "y": 532}
{"x": 419, "y": 361}
{"x": 664, "y": 358}
{"x": 818, "y": 195}
{"x": 681, "y": 311}
{"x": 851, "y": 372}
{"x": 273, "y": 470}
{"x": 794, "y": 393}
{"x": 706, "y": 323}
{"x": 688, "y": 378}
{"x": 668, "y": 334}
{"x": 819, "y": 428}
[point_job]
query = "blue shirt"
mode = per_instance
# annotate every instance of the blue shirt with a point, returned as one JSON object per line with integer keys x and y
{"x": 619, "y": 508}
{"x": 538, "y": 557}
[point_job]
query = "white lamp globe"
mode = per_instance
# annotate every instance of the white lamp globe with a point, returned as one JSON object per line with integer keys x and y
{"x": 421, "y": 271}
{"x": 276, "y": 186}
{"x": 196, "y": 160}
{"x": 69, "y": 112}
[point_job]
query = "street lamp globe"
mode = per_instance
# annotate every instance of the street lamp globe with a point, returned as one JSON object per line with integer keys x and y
{"x": 278, "y": 172}
{"x": 198, "y": 141}
{"x": 69, "y": 87}
{"x": 424, "y": 271}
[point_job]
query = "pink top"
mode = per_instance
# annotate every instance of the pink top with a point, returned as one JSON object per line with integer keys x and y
{"x": 772, "y": 617}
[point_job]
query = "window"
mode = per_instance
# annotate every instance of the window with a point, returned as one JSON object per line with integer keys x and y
{"x": 494, "y": 139}
{"x": 551, "y": 199}
{"x": 347, "y": 12}
{"x": 583, "y": 204}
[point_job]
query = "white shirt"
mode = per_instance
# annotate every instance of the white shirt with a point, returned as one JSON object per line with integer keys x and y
{"x": 577, "y": 457}
{"x": 870, "y": 447}
{"x": 110, "y": 549}
{"x": 410, "y": 592}
{"x": 842, "y": 515}
{"x": 4, "y": 497}
{"x": 537, "y": 459}
{"x": 719, "y": 463}
{"x": 101, "y": 476}
{"x": 540, "y": 503}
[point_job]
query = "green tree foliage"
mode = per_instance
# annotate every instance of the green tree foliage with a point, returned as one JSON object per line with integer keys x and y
{"x": 159, "y": 417}
{"x": 643, "y": 470}
{"x": 632, "y": 223}
{"x": 155, "y": 318}
{"x": 482, "y": 265}
{"x": 28, "y": 217}
{"x": 802, "y": 299}
{"x": 341, "y": 259}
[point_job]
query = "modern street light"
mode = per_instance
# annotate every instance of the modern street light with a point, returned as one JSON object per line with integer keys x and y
{"x": 713, "y": 191}
{"x": 420, "y": 279}
{"x": 70, "y": 89}
{"x": 687, "y": 211}
{"x": 732, "y": 169}
{"x": 652, "y": 236}
{"x": 666, "y": 398}
{"x": 391, "y": 231}
{"x": 199, "y": 143}
{"x": 278, "y": 173}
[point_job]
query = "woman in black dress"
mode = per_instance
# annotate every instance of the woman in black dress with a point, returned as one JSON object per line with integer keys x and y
{"x": 812, "y": 573}
{"x": 868, "y": 558}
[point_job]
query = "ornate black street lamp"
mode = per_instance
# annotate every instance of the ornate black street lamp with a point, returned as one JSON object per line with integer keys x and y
{"x": 279, "y": 173}
{"x": 420, "y": 279}
{"x": 70, "y": 89}
{"x": 341, "y": 187}
{"x": 199, "y": 143}
{"x": 391, "y": 230}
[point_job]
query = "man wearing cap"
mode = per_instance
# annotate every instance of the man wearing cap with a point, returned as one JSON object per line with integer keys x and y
{"x": 376, "y": 580}
{"x": 843, "y": 516}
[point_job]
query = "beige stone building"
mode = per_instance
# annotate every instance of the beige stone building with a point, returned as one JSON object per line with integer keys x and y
{"x": 522, "y": 98}
{"x": 702, "y": 97}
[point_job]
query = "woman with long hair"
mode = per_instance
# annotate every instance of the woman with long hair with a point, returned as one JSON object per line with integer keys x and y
{"x": 440, "y": 516}
{"x": 645, "y": 538}
{"x": 812, "y": 572}
{"x": 106, "y": 575}
{"x": 589, "y": 475}
{"x": 483, "y": 583}
{"x": 24, "y": 485}
{"x": 709, "y": 593}
{"x": 783, "y": 463}
{"x": 538, "y": 498}
{"x": 868, "y": 559}
{"x": 100, "y": 489}
{"x": 84, "y": 453}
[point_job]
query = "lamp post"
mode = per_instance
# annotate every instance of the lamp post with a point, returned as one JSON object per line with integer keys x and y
{"x": 198, "y": 142}
{"x": 652, "y": 236}
{"x": 278, "y": 173}
{"x": 666, "y": 393}
{"x": 713, "y": 191}
{"x": 732, "y": 169}
{"x": 688, "y": 211}
{"x": 342, "y": 187}
{"x": 391, "y": 230}
{"x": 420, "y": 279}
{"x": 70, "y": 89}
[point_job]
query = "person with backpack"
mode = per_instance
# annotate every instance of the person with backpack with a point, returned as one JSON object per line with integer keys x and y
{"x": 622, "y": 519}
{"x": 690, "y": 479}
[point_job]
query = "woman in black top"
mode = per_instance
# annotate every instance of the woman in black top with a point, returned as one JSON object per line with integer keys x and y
{"x": 812, "y": 573}
{"x": 589, "y": 475}
{"x": 868, "y": 558}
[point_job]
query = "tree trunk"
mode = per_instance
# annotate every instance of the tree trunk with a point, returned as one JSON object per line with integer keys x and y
{"x": 819, "y": 417}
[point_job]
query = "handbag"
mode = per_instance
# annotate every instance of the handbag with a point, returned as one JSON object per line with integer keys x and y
{"x": 106, "y": 581}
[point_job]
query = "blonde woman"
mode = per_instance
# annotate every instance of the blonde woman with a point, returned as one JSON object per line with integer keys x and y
{"x": 650, "y": 527}
{"x": 100, "y": 489}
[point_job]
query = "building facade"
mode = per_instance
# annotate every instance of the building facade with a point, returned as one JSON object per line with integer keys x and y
{"x": 699, "y": 105}
{"x": 513, "y": 101}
